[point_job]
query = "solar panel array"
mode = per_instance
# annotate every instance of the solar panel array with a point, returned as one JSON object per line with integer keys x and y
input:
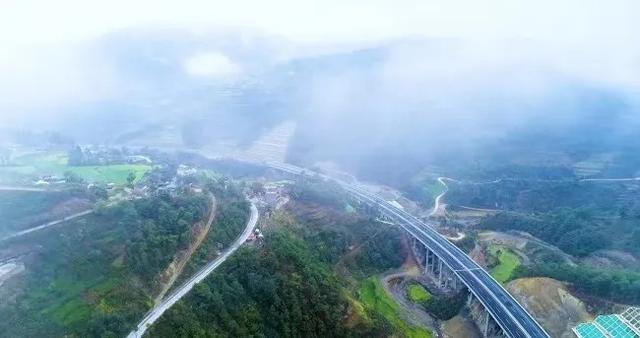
{"x": 632, "y": 317}
{"x": 624, "y": 325}
{"x": 615, "y": 327}
{"x": 588, "y": 330}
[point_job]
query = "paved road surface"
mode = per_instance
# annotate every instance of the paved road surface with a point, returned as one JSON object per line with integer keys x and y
{"x": 174, "y": 297}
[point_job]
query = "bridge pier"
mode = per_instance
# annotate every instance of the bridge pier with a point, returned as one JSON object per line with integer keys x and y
{"x": 455, "y": 283}
{"x": 446, "y": 278}
{"x": 485, "y": 323}
{"x": 413, "y": 225}
{"x": 442, "y": 275}
{"x": 430, "y": 261}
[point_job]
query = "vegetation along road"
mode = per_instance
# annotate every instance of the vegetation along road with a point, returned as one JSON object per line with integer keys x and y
{"x": 173, "y": 298}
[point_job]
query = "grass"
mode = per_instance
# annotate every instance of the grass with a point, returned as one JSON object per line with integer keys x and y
{"x": 434, "y": 188}
{"x": 27, "y": 167}
{"x": 72, "y": 312}
{"x": 418, "y": 294}
{"x": 115, "y": 173}
{"x": 64, "y": 300}
{"x": 359, "y": 313}
{"x": 374, "y": 298}
{"x": 349, "y": 209}
{"x": 508, "y": 261}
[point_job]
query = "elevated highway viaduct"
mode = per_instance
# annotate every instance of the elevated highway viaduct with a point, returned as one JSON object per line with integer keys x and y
{"x": 451, "y": 265}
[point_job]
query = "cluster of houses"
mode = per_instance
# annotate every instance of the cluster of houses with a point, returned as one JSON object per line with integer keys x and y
{"x": 185, "y": 170}
{"x": 181, "y": 172}
{"x": 49, "y": 179}
{"x": 275, "y": 195}
{"x": 170, "y": 186}
{"x": 256, "y": 235}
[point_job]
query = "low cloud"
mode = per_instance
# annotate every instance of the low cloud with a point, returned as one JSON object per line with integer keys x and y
{"x": 35, "y": 81}
{"x": 212, "y": 64}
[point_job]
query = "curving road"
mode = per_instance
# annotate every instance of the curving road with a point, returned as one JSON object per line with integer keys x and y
{"x": 174, "y": 297}
{"x": 514, "y": 320}
{"x": 436, "y": 205}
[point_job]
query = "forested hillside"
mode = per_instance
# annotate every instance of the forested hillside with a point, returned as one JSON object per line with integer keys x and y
{"x": 276, "y": 292}
{"x": 304, "y": 281}
{"x": 582, "y": 218}
{"x": 98, "y": 275}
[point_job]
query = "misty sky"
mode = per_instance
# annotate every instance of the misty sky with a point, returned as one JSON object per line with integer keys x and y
{"x": 26, "y": 22}
{"x": 44, "y": 62}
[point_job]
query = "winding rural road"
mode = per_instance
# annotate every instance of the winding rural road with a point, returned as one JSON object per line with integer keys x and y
{"x": 174, "y": 297}
{"x": 436, "y": 205}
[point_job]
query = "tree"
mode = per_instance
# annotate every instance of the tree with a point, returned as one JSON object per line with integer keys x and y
{"x": 72, "y": 177}
{"x": 76, "y": 156}
{"x": 5, "y": 156}
{"x": 99, "y": 191}
{"x": 131, "y": 178}
{"x": 257, "y": 188}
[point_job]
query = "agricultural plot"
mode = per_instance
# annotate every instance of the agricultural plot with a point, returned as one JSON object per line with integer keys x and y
{"x": 592, "y": 166}
{"x": 27, "y": 168}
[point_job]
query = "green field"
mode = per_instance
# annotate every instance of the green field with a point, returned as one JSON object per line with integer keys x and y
{"x": 28, "y": 167}
{"x": 508, "y": 261}
{"x": 418, "y": 294}
{"x": 375, "y": 298}
{"x": 116, "y": 173}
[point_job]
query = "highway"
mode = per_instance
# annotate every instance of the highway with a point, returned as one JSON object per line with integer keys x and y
{"x": 175, "y": 296}
{"x": 514, "y": 320}
{"x": 628, "y": 179}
